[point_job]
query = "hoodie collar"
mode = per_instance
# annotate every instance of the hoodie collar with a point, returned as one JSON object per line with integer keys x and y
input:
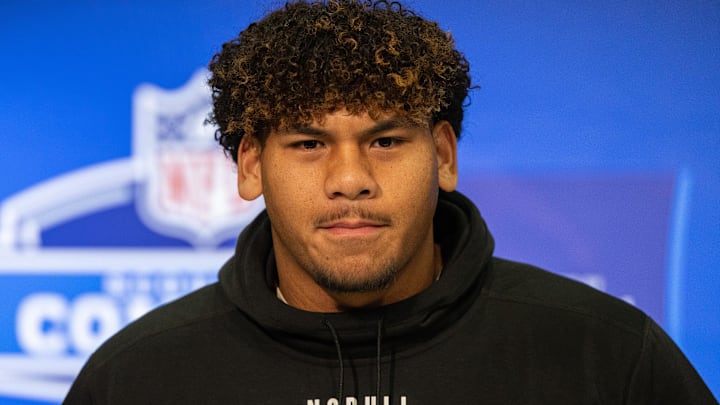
{"x": 249, "y": 280}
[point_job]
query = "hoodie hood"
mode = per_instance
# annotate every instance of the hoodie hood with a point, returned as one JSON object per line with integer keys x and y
{"x": 249, "y": 280}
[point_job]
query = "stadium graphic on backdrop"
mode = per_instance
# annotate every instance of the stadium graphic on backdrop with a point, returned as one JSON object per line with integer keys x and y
{"x": 177, "y": 188}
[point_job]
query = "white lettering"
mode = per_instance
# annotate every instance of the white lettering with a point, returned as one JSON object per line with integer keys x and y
{"x": 40, "y": 324}
{"x": 93, "y": 319}
{"x": 367, "y": 400}
{"x": 49, "y": 324}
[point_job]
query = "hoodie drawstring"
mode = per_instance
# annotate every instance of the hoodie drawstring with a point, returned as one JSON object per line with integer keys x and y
{"x": 378, "y": 358}
{"x": 340, "y": 358}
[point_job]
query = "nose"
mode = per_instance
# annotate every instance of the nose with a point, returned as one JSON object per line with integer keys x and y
{"x": 349, "y": 175}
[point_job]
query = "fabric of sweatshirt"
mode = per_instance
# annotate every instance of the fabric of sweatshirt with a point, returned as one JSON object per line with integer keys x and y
{"x": 488, "y": 331}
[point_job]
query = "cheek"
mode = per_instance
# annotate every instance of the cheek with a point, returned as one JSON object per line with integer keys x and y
{"x": 287, "y": 193}
{"x": 414, "y": 177}
{"x": 413, "y": 189}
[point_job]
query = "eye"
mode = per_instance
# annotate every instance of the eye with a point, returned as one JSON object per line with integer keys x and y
{"x": 308, "y": 144}
{"x": 386, "y": 142}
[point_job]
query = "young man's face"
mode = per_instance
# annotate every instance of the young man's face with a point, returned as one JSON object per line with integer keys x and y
{"x": 351, "y": 200}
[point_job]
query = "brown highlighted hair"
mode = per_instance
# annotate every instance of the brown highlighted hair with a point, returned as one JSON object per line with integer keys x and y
{"x": 311, "y": 58}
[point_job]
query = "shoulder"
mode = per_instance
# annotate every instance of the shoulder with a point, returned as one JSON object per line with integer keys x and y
{"x": 616, "y": 344}
{"x": 168, "y": 322}
{"x": 169, "y": 345}
{"x": 542, "y": 292}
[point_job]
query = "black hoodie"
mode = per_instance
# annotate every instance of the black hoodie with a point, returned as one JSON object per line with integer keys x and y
{"x": 489, "y": 331}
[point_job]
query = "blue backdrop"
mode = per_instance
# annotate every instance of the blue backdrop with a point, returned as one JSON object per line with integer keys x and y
{"x": 592, "y": 149}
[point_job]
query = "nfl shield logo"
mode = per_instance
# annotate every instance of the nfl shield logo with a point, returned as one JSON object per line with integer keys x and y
{"x": 187, "y": 186}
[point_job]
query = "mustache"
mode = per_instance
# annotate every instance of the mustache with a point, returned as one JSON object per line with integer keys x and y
{"x": 354, "y": 213}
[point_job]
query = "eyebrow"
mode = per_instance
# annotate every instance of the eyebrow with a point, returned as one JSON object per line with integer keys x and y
{"x": 379, "y": 127}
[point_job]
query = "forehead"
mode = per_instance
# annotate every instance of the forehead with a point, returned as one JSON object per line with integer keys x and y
{"x": 344, "y": 117}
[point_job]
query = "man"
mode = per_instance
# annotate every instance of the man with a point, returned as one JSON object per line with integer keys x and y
{"x": 369, "y": 280}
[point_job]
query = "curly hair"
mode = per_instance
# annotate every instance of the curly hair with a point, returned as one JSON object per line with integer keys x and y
{"x": 309, "y": 59}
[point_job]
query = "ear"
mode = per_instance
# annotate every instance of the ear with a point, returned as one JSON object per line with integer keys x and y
{"x": 446, "y": 144}
{"x": 249, "y": 180}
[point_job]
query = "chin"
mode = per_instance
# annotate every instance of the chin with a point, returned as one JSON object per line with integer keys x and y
{"x": 345, "y": 285}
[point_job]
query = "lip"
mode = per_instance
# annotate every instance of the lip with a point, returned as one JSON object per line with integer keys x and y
{"x": 353, "y": 227}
